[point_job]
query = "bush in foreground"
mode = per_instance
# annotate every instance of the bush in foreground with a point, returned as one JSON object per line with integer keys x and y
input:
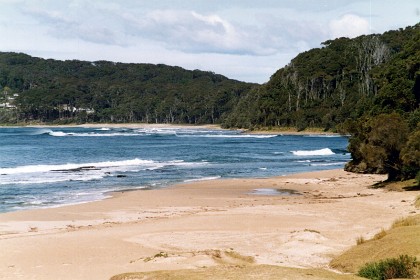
{"x": 402, "y": 267}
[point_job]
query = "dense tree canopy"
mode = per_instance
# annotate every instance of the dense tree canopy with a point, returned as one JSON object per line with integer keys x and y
{"x": 346, "y": 78}
{"x": 101, "y": 91}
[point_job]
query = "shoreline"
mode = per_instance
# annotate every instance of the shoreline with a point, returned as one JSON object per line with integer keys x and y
{"x": 119, "y": 125}
{"x": 279, "y": 131}
{"x": 186, "y": 223}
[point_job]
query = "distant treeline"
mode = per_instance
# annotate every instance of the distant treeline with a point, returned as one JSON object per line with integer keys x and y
{"x": 54, "y": 91}
{"x": 368, "y": 87}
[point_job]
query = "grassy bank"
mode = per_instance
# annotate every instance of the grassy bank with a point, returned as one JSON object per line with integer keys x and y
{"x": 266, "y": 272}
{"x": 403, "y": 238}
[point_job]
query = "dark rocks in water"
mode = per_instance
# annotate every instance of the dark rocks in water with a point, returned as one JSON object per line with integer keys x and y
{"x": 121, "y": 176}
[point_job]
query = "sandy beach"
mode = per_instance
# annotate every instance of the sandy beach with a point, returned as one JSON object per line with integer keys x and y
{"x": 300, "y": 220}
{"x": 279, "y": 131}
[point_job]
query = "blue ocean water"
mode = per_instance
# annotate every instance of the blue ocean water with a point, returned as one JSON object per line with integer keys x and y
{"x": 47, "y": 167}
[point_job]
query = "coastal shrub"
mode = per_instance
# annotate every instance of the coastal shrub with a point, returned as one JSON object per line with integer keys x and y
{"x": 402, "y": 267}
{"x": 405, "y": 222}
{"x": 360, "y": 240}
{"x": 418, "y": 178}
{"x": 380, "y": 234}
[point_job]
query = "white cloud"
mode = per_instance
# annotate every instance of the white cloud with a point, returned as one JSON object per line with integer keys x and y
{"x": 241, "y": 39}
{"x": 184, "y": 30}
{"x": 193, "y": 32}
{"x": 349, "y": 25}
{"x": 75, "y": 23}
{"x": 292, "y": 32}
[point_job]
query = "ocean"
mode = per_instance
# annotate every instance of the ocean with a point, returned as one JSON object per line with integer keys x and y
{"x": 49, "y": 167}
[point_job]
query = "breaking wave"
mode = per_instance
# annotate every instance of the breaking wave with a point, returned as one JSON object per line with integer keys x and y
{"x": 321, "y": 152}
{"x": 72, "y": 166}
{"x": 37, "y": 174}
{"x": 203, "y": 179}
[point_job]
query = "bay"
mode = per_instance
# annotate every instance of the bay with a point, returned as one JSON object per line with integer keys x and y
{"x": 49, "y": 167}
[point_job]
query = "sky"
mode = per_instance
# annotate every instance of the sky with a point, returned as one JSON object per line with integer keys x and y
{"x": 246, "y": 40}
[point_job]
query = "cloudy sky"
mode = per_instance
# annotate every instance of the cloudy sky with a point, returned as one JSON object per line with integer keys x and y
{"x": 246, "y": 40}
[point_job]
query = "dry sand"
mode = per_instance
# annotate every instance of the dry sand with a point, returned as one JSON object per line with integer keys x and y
{"x": 188, "y": 223}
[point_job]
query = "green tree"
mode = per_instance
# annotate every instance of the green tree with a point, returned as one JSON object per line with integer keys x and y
{"x": 376, "y": 145}
{"x": 410, "y": 155}
{"x": 386, "y": 139}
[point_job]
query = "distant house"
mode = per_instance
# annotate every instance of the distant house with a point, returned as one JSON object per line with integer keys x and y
{"x": 7, "y": 105}
{"x": 87, "y": 110}
{"x": 67, "y": 107}
{"x": 7, "y": 96}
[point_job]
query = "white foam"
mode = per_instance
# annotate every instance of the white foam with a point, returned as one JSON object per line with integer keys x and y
{"x": 45, "y": 179}
{"x": 323, "y": 135}
{"x": 321, "y": 152}
{"x": 327, "y": 164}
{"x": 35, "y": 202}
{"x": 203, "y": 179}
{"x": 70, "y": 166}
{"x": 61, "y": 199}
{"x": 183, "y": 163}
{"x": 156, "y": 131}
{"x": 229, "y": 136}
{"x": 93, "y": 134}
{"x": 41, "y": 174}
{"x": 58, "y": 133}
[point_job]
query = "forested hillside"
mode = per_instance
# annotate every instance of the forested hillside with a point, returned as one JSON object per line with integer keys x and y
{"x": 346, "y": 78}
{"x": 34, "y": 89}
